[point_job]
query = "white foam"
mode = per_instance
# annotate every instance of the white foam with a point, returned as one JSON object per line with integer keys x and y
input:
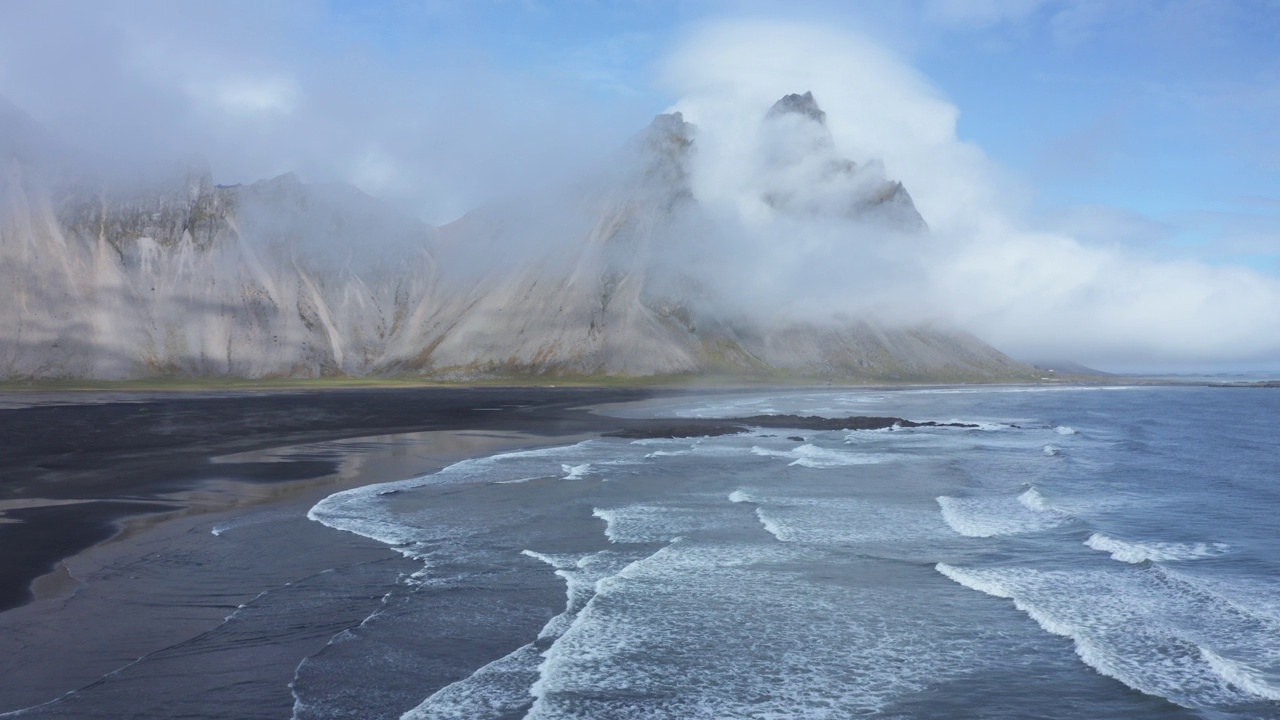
{"x": 974, "y": 582}
{"x": 495, "y": 691}
{"x": 366, "y": 510}
{"x": 1137, "y": 627}
{"x": 771, "y": 526}
{"x": 1247, "y": 678}
{"x": 1051, "y": 450}
{"x": 659, "y": 641}
{"x": 1138, "y": 552}
{"x": 649, "y": 523}
{"x": 813, "y": 456}
{"x": 1064, "y": 430}
{"x": 1256, "y": 597}
{"x": 575, "y": 472}
{"x": 992, "y": 516}
{"x": 1033, "y": 500}
{"x": 504, "y": 687}
{"x": 840, "y": 521}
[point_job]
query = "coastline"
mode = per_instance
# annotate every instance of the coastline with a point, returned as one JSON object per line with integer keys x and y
{"x": 158, "y": 565}
{"x": 223, "y": 597}
{"x": 120, "y": 501}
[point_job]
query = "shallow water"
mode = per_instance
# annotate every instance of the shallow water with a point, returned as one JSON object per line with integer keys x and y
{"x": 1102, "y": 553}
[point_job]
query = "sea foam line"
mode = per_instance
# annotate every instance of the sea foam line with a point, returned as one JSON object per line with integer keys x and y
{"x": 1119, "y": 628}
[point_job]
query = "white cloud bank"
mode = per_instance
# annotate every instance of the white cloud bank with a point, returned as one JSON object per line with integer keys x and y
{"x": 1032, "y": 293}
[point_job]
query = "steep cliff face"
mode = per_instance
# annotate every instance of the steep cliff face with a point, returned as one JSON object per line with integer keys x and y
{"x": 614, "y": 275}
{"x": 594, "y": 297}
{"x": 275, "y": 278}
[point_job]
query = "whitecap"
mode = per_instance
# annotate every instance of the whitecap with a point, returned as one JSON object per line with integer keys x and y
{"x": 1247, "y": 678}
{"x": 813, "y": 456}
{"x": 575, "y": 472}
{"x": 840, "y": 521}
{"x": 656, "y": 642}
{"x": 1124, "y": 625}
{"x": 992, "y": 516}
{"x": 649, "y": 523}
{"x": 1138, "y": 552}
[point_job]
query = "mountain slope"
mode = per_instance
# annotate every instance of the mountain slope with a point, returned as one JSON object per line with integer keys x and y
{"x": 618, "y": 274}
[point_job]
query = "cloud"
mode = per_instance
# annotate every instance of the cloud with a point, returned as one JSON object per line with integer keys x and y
{"x": 1030, "y": 291}
{"x": 249, "y": 96}
{"x": 434, "y": 125}
{"x": 1106, "y": 225}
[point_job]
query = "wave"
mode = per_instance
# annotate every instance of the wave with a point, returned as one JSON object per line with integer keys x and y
{"x": 812, "y": 456}
{"x": 1247, "y": 678}
{"x": 575, "y": 472}
{"x": 505, "y": 687}
{"x": 653, "y": 523}
{"x": 840, "y": 521}
{"x": 1052, "y": 450}
{"x": 1065, "y": 430}
{"x": 1119, "y": 623}
{"x": 1139, "y": 552}
{"x": 993, "y": 516}
{"x": 363, "y": 510}
{"x": 656, "y": 642}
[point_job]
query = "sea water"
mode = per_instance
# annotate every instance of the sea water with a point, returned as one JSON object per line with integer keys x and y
{"x": 1080, "y": 553}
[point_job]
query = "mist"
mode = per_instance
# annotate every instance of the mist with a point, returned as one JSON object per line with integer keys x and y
{"x": 1033, "y": 293}
{"x": 437, "y": 129}
{"x": 257, "y": 90}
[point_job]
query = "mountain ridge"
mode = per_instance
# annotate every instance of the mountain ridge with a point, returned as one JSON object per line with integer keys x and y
{"x": 280, "y": 278}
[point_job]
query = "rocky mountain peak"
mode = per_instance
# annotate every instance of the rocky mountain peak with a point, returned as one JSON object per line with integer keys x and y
{"x": 668, "y": 136}
{"x": 795, "y": 104}
{"x": 662, "y": 150}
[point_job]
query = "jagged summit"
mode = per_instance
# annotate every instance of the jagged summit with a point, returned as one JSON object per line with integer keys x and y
{"x": 663, "y": 148}
{"x": 798, "y": 105}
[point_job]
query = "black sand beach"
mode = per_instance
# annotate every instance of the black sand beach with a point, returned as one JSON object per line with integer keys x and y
{"x": 108, "y": 551}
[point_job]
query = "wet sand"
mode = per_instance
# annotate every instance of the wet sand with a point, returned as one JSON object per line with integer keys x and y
{"x": 141, "y": 526}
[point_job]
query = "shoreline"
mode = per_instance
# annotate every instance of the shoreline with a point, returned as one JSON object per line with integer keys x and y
{"x": 64, "y": 620}
{"x": 75, "y": 472}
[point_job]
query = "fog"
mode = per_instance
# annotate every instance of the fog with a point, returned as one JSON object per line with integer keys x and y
{"x": 261, "y": 89}
{"x": 438, "y": 129}
{"x": 1033, "y": 293}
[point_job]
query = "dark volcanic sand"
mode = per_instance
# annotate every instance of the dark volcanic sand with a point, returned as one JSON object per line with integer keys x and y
{"x": 160, "y": 445}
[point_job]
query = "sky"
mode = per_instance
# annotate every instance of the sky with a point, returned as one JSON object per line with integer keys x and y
{"x": 1137, "y": 142}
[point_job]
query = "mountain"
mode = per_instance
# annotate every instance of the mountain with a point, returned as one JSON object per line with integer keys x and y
{"x": 276, "y": 278}
{"x": 613, "y": 275}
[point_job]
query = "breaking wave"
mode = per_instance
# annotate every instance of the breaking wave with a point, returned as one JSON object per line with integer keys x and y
{"x": 992, "y": 516}
{"x": 1139, "y": 552}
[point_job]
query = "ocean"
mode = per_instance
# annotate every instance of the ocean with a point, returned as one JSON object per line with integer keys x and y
{"x": 1082, "y": 553}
